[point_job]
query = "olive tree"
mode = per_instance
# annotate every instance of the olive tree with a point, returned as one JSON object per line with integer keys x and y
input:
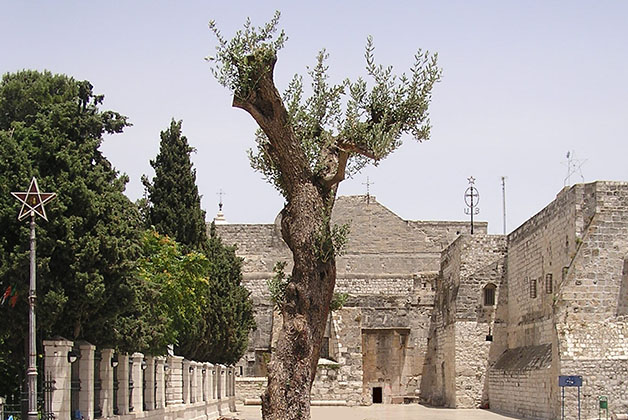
{"x": 305, "y": 147}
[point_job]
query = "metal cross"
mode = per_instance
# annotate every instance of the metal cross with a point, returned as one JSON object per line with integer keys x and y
{"x": 368, "y": 190}
{"x": 33, "y": 202}
{"x": 471, "y": 199}
{"x": 220, "y": 194}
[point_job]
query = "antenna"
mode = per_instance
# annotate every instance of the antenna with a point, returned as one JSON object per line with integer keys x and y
{"x": 573, "y": 166}
{"x": 504, "y": 200}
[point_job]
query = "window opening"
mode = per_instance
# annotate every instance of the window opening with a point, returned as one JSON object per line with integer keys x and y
{"x": 533, "y": 288}
{"x": 549, "y": 284}
{"x": 489, "y": 294}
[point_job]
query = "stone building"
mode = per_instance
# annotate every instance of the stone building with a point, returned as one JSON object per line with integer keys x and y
{"x": 376, "y": 343}
{"x": 464, "y": 320}
{"x": 554, "y": 297}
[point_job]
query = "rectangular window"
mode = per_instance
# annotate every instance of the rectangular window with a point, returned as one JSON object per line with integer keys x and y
{"x": 549, "y": 284}
{"x": 533, "y": 288}
{"x": 489, "y": 296}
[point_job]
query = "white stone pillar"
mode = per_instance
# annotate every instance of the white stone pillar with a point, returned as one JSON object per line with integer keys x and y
{"x": 149, "y": 377}
{"x": 123, "y": 384}
{"x": 207, "y": 374}
{"x": 106, "y": 383}
{"x": 223, "y": 381}
{"x": 219, "y": 381}
{"x": 231, "y": 388}
{"x": 186, "y": 381}
{"x": 160, "y": 383}
{"x": 86, "y": 376}
{"x": 137, "y": 397}
{"x": 198, "y": 381}
{"x": 174, "y": 393}
{"x": 57, "y": 367}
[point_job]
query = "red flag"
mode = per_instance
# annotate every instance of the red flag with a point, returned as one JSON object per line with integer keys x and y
{"x": 13, "y": 300}
{"x": 7, "y": 293}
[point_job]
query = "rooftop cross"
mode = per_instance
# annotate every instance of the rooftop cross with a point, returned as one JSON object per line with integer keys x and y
{"x": 220, "y": 194}
{"x": 471, "y": 199}
{"x": 368, "y": 184}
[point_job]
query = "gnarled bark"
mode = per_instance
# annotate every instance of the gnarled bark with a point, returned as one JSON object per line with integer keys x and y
{"x": 305, "y": 220}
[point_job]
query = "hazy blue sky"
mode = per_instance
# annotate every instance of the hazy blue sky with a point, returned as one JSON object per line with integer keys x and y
{"x": 523, "y": 83}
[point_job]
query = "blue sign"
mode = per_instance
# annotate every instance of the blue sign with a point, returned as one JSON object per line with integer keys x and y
{"x": 569, "y": 380}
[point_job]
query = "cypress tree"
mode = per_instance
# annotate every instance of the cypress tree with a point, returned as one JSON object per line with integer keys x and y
{"x": 174, "y": 205}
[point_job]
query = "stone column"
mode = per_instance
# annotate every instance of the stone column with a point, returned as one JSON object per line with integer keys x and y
{"x": 137, "y": 398}
{"x": 231, "y": 389}
{"x": 86, "y": 376}
{"x": 223, "y": 381}
{"x": 198, "y": 382}
{"x": 123, "y": 384}
{"x": 149, "y": 377}
{"x": 174, "y": 393}
{"x": 160, "y": 383}
{"x": 57, "y": 367}
{"x": 186, "y": 382}
{"x": 106, "y": 383}
{"x": 219, "y": 381}
{"x": 207, "y": 374}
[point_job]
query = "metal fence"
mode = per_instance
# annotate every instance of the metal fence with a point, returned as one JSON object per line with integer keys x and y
{"x": 15, "y": 407}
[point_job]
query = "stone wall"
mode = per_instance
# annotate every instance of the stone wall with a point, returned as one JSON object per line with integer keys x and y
{"x": 567, "y": 290}
{"x": 459, "y": 354}
{"x": 388, "y": 268}
{"x": 520, "y": 383}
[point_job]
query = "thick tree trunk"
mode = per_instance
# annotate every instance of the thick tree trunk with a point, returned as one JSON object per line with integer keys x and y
{"x": 304, "y": 226}
{"x": 293, "y": 364}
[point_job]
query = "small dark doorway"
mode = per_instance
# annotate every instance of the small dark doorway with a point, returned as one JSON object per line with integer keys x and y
{"x": 377, "y": 395}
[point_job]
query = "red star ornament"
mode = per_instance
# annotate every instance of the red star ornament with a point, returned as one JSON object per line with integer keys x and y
{"x": 33, "y": 201}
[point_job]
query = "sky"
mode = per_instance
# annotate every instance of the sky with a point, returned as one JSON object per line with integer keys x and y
{"x": 524, "y": 82}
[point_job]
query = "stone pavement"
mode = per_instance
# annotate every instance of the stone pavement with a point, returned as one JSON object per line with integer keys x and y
{"x": 379, "y": 412}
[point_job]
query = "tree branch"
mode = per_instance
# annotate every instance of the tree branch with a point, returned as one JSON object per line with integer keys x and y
{"x": 264, "y": 104}
{"x": 343, "y": 157}
{"x": 354, "y": 148}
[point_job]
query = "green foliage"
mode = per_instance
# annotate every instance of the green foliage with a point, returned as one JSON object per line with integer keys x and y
{"x": 340, "y": 127}
{"x": 331, "y": 242}
{"x": 171, "y": 295}
{"x": 51, "y": 127}
{"x": 338, "y": 300}
{"x": 277, "y": 285}
{"x": 236, "y": 60}
{"x": 228, "y": 318}
{"x": 173, "y": 205}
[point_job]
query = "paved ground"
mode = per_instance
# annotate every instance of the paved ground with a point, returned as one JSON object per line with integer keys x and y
{"x": 381, "y": 412}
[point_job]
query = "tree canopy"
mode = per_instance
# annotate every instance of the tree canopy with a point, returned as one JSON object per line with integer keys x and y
{"x": 227, "y": 319}
{"x": 305, "y": 147}
{"x": 339, "y": 128}
{"x": 173, "y": 192}
{"x": 51, "y": 127}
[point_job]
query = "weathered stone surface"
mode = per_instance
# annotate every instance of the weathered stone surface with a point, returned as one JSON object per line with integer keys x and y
{"x": 560, "y": 306}
{"x": 388, "y": 269}
{"x": 561, "y": 310}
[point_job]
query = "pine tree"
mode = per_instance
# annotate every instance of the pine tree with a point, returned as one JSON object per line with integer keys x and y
{"x": 174, "y": 205}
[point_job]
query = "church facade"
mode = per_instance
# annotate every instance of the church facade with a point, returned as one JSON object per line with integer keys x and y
{"x": 459, "y": 320}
